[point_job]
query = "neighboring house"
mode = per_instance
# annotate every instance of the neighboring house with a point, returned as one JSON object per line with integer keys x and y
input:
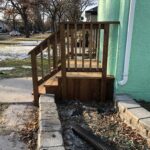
{"x": 3, "y": 26}
{"x": 129, "y": 45}
{"x": 91, "y": 14}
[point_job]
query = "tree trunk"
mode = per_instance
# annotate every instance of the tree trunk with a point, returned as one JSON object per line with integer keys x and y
{"x": 26, "y": 25}
{"x": 53, "y": 23}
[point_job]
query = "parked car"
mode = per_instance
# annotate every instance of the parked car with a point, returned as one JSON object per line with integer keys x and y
{"x": 14, "y": 33}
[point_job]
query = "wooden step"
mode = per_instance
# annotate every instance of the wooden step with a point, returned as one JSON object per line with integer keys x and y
{"x": 86, "y": 87}
{"x": 42, "y": 89}
{"x": 51, "y": 85}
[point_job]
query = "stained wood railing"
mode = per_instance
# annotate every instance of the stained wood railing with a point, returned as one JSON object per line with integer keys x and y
{"x": 45, "y": 61}
{"x": 74, "y": 48}
{"x": 80, "y": 50}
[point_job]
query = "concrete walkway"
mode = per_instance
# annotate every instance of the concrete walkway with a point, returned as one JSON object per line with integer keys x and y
{"x": 16, "y": 90}
{"x": 16, "y": 110}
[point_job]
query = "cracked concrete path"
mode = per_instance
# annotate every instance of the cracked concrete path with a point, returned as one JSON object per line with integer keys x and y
{"x": 16, "y": 110}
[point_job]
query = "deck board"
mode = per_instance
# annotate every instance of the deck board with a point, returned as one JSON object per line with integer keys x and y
{"x": 86, "y": 63}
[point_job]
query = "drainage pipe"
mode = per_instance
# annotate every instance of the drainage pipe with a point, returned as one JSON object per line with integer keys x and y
{"x": 128, "y": 43}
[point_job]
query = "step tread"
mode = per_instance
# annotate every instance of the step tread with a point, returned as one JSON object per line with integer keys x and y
{"x": 51, "y": 82}
{"x": 90, "y": 75}
{"x": 42, "y": 89}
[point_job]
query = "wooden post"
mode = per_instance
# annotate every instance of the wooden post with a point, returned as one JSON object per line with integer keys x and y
{"x": 63, "y": 60}
{"x": 42, "y": 67}
{"x": 49, "y": 56}
{"x": 68, "y": 44}
{"x": 98, "y": 44}
{"x": 54, "y": 47}
{"x": 35, "y": 79}
{"x": 72, "y": 44}
{"x": 83, "y": 45}
{"x": 104, "y": 62}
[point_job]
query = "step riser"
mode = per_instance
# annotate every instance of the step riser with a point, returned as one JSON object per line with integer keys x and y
{"x": 51, "y": 89}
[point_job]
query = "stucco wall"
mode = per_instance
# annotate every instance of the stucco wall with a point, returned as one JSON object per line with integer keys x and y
{"x": 109, "y": 11}
{"x": 138, "y": 84}
{"x": 114, "y": 10}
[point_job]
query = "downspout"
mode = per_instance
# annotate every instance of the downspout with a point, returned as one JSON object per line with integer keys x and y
{"x": 128, "y": 43}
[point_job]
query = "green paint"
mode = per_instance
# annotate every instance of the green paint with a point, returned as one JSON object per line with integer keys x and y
{"x": 138, "y": 85}
{"x": 114, "y": 10}
{"x": 109, "y": 11}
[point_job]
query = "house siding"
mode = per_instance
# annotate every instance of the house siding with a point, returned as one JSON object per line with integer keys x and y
{"x": 138, "y": 85}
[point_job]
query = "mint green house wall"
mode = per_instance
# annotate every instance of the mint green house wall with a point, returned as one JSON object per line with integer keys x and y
{"x": 138, "y": 85}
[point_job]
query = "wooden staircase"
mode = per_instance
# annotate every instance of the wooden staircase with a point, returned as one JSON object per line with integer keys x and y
{"x": 73, "y": 63}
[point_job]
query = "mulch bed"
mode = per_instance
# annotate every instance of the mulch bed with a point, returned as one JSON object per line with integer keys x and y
{"x": 103, "y": 121}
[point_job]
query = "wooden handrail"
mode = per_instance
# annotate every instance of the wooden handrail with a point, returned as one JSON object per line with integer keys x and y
{"x": 52, "y": 68}
{"x": 87, "y": 24}
{"x": 44, "y": 44}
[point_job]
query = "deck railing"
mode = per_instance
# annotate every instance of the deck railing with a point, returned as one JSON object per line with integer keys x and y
{"x": 74, "y": 48}
{"x": 80, "y": 50}
{"x": 45, "y": 61}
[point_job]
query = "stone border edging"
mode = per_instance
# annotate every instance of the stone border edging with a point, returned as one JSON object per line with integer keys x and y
{"x": 49, "y": 136}
{"x": 134, "y": 115}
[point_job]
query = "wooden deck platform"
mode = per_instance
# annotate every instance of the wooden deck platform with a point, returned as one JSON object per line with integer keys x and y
{"x": 75, "y": 50}
{"x": 84, "y": 86}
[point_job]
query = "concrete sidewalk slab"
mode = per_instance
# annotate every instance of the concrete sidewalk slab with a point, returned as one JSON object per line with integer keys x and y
{"x": 16, "y": 90}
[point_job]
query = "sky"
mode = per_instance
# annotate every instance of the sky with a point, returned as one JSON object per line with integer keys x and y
{"x": 89, "y": 7}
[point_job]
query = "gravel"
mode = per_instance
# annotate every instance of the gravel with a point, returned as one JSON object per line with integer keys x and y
{"x": 103, "y": 121}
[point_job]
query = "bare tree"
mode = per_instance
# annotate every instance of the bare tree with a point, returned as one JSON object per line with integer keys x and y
{"x": 22, "y": 7}
{"x": 37, "y": 16}
{"x": 10, "y": 15}
{"x": 75, "y": 8}
{"x": 54, "y": 9}
{"x": 27, "y": 9}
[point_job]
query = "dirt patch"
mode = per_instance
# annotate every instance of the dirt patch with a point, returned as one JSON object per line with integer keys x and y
{"x": 103, "y": 121}
{"x": 18, "y": 126}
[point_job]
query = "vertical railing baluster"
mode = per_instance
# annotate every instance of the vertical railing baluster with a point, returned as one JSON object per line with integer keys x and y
{"x": 42, "y": 68}
{"x": 80, "y": 43}
{"x": 55, "y": 51}
{"x": 63, "y": 61}
{"x": 91, "y": 45}
{"x": 68, "y": 51}
{"x": 35, "y": 78}
{"x": 94, "y": 42}
{"x": 75, "y": 46}
{"x": 72, "y": 44}
{"x": 49, "y": 57}
{"x": 104, "y": 62}
{"x": 83, "y": 45}
{"x": 98, "y": 45}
